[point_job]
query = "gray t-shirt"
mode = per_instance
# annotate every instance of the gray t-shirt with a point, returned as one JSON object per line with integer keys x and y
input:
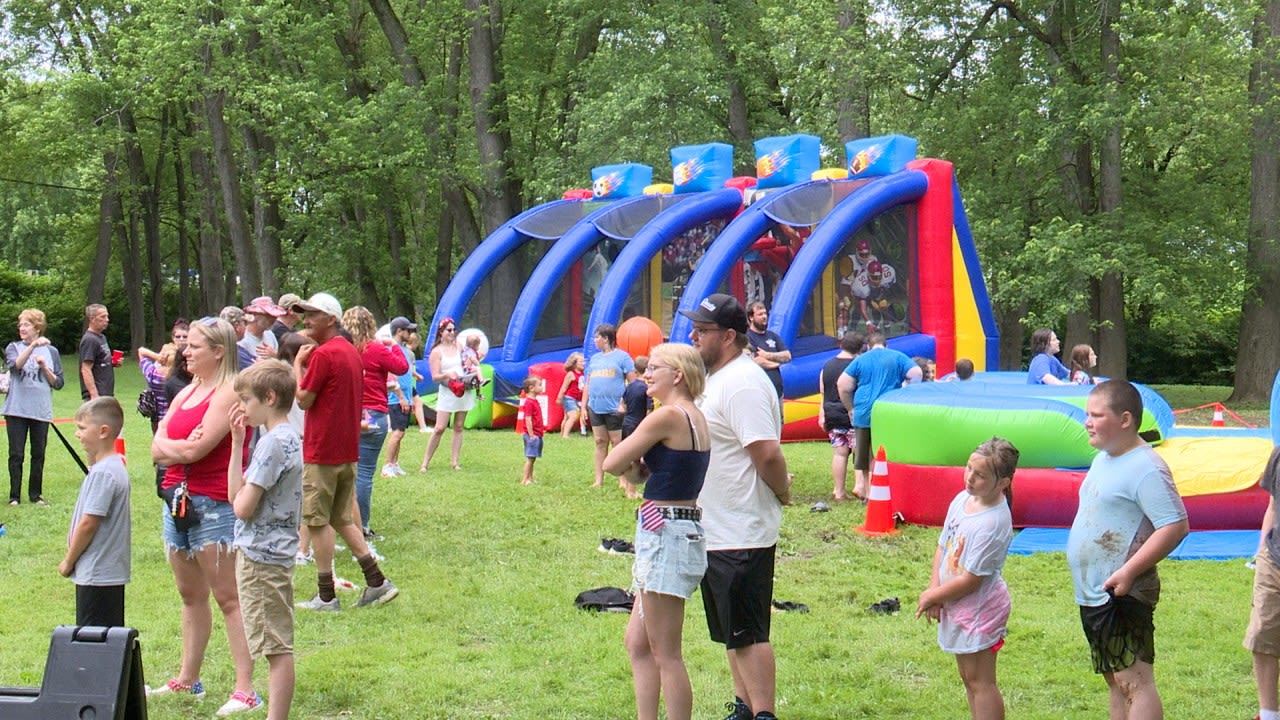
{"x": 30, "y": 394}
{"x": 271, "y": 535}
{"x": 1271, "y": 483}
{"x": 105, "y": 493}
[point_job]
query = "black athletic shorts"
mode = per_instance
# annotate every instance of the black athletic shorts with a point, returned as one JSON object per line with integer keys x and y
{"x": 101, "y": 605}
{"x": 736, "y": 594}
{"x": 609, "y": 421}
{"x": 862, "y": 449}
{"x": 399, "y": 419}
{"x": 1120, "y": 633}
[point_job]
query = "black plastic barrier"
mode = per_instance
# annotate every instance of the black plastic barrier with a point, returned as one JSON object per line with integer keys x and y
{"x": 93, "y": 673}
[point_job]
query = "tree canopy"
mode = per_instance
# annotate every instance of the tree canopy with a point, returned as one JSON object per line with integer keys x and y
{"x": 171, "y": 158}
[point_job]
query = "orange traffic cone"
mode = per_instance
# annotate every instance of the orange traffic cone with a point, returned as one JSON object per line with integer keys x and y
{"x": 1217, "y": 416}
{"x": 879, "y": 508}
{"x": 120, "y": 447}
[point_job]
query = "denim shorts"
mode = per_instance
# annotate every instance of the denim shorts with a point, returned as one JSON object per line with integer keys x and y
{"x": 217, "y": 526}
{"x": 532, "y": 446}
{"x": 670, "y": 561}
{"x": 569, "y": 404}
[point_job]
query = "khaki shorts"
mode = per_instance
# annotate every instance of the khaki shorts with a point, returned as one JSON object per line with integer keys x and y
{"x": 266, "y": 606}
{"x": 1263, "y": 634}
{"x": 326, "y": 494}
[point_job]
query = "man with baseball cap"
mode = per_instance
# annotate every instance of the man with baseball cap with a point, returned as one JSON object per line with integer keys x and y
{"x": 746, "y": 486}
{"x": 330, "y": 380}
{"x": 288, "y": 322}
{"x": 399, "y": 396}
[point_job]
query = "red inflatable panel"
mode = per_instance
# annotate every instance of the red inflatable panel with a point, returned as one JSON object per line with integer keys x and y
{"x": 1048, "y": 498}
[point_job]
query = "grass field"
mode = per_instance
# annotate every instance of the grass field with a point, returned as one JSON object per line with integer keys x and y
{"x": 485, "y": 625}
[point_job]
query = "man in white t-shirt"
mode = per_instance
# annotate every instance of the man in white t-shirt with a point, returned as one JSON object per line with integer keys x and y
{"x": 746, "y": 486}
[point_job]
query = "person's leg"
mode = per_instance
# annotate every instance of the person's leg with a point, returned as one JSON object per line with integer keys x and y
{"x": 39, "y": 441}
{"x": 1133, "y": 693}
{"x": 570, "y": 417}
{"x": 615, "y": 437}
{"x": 197, "y": 617}
{"x": 16, "y": 429}
{"x": 442, "y": 423}
{"x": 393, "y": 448}
{"x": 862, "y": 462}
{"x": 601, "y": 436}
{"x": 978, "y": 672}
{"x": 663, "y": 623}
{"x": 419, "y": 413}
{"x": 839, "y": 471}
{"x": 217, "y": 562}
{"x": 370, "y": 447}
{"x": 1266, "y": 674}
{"x": 755, "y": 675}
{"x": 280, "y": 684}
{"x": 459, "y": 424}
{"x": 644, "y": 668}
{"x": 527, "y": 477}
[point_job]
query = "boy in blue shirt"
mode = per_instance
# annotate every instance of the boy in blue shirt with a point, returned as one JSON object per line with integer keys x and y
{"x": 1130, "y": 517}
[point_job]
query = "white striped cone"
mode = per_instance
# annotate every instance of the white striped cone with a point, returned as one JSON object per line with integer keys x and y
{"x": 879, "y": 519}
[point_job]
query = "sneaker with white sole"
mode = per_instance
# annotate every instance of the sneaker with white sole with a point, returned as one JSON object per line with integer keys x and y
{"x": 399, "y": 470}
{"x": 240, "y": 702}
{"x": 173, "y": 687}
{"x": 384, "y": 593}
{"x": 388, "y": 471}
{"x": 319, "y": 605}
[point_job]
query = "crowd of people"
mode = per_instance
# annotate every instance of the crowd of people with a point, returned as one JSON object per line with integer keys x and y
{"x": 267, "y": 439}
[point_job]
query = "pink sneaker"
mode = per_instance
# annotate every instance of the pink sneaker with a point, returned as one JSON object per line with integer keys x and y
{"x": 240, "y": 702}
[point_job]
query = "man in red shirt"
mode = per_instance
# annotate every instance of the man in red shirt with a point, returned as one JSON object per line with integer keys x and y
{"x": 330, "y": 379}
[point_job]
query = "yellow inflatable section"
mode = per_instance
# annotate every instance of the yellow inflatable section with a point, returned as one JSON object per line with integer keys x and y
{"x": 1211, "y": 465}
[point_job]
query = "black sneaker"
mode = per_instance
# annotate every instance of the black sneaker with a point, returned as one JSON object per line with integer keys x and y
{"x": 888, "y": 606}
{"x": 765, "y": 715}
{"x": 622, "y": 547}
{"x": 738, "y": 710}
{"x": 607, "y": 545}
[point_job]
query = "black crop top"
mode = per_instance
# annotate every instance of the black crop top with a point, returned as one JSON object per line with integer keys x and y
{"x": 676, "y": 474}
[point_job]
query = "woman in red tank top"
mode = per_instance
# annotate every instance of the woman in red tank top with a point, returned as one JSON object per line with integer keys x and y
{"x": 194, "y": 441}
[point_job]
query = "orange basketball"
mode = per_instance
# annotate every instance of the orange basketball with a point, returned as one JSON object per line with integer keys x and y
{"x": 638, "y": 335}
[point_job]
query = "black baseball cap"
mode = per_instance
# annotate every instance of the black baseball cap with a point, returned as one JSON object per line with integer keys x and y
{"x": 403, "y": 323}
{"x": 720, "y": 309}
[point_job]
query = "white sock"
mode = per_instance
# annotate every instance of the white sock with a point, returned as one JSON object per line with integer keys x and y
{"x": 1268, "y": 714}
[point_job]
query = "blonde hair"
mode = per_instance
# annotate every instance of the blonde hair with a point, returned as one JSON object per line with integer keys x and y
{"x": 359, "y": 322}
{"x": 268, "y": 376}
{"x": 685, "y": 360}
{"x": 35, "y": 317}
{"x": 219, "y": 334}
{"x": 572, "y": 361}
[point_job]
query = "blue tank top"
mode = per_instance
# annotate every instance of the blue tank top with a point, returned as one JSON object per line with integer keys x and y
{"x": 676, "y": 474}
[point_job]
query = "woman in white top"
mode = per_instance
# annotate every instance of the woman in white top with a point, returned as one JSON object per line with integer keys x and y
{"x": 452, "y": 399}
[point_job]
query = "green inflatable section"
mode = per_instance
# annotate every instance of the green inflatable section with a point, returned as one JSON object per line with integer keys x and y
{"x": 1048, "y": 432}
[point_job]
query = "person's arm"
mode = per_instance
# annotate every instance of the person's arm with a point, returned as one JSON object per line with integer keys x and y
{"x": 564, "y": 387}
{"x": 19, "y": 360}
{"x": 936, "y": 596}
{"x": 303, "y": 396}
{"x": 437, "y": 372}
{"x": 822, "y": 416}
{"x": 1161, "y": 543}
{"x": 86, "y": 376}
{"x": 54, "y": 375}
{"x": 214, "y": 427}
{"x": 1268, "y": 522}
{"x": 915, "y": 374}
{"x": 81, "y": 537}
{"x": 845, "y": 385}
{"x": 1049, "y": 379}
{"x": 771, "y": 466}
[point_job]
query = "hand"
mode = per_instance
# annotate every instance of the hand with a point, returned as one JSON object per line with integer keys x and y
{"x": 238, "y": 420}
{"x": 304, "y": 353}
{"x": 196, "y": 433}
{"x": 40, "y": 341}
{"x": 1119, "y": 583}
{"x": 65, "y": 568}
{"x": 40, "y": 361}
{"x": 928, "y": 607}
{"x": 265, "y": 351}
{"x": 404, "y": 406}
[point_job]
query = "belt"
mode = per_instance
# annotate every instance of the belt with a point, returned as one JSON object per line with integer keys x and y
{"x": 680, "y": 512}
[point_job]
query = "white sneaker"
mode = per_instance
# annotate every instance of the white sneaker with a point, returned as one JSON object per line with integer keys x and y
{"x": 319, "y": 605}
{"x": 302, "y": 558}
{"x": 399, "y": 471}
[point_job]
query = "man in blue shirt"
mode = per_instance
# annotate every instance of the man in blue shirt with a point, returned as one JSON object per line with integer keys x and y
{"x": 872, "y": 374}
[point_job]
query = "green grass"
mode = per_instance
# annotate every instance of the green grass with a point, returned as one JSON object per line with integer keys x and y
{"x": 485, "y": 625}
{"x": 1194, "y": 396}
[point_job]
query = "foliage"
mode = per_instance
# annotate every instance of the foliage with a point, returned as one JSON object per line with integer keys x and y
{"x": 485, "y": 625}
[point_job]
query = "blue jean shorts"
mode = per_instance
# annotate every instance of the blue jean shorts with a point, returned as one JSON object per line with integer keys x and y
{"x": 670, "y": 561}
{"x": 569, "y": 404}
{"x": 217, "y": 526}
{"x": 532, "y": 446}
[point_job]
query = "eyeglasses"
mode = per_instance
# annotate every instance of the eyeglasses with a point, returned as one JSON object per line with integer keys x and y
{"x": 449, "y": 329}
{"x": 654, "y": 367}
{"x": 700, "y": 331}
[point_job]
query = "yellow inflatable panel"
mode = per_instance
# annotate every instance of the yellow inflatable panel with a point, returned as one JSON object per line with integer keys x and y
{"x": 1205, "y": 466}
{"x": 829, "y": 174}
{"x": 659, "y": 189}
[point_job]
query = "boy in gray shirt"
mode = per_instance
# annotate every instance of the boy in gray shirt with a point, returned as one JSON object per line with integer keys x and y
{"x": 97, "y": 558}
{"x": 267, "y": 499}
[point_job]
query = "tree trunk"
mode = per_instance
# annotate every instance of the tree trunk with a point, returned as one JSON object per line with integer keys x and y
{"x": 1112, "y": 333}
{"x": 498, "y": 193}
{"x": 232, "y": 202}
{"x": 184, "y": 239}
{"x": 1258, "y": 353}
{"x": 268, "y": 222}
{"x": 209, "y": 254}
{"x": 853, "y": 109}
{"x": 131, "y": 268}
{"x": 739, "y": 119}
{"x": 108, "y": 216}
{"x": 146, "y": 203}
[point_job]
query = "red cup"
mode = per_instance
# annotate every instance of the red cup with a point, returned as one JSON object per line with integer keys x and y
{"x": 117, "y": 357}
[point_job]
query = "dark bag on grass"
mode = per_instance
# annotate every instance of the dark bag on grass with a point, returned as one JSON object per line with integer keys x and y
{"x": 605, "y": 599}
{"x": 147, "y": 404}
{"x": 178, "y": 500}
